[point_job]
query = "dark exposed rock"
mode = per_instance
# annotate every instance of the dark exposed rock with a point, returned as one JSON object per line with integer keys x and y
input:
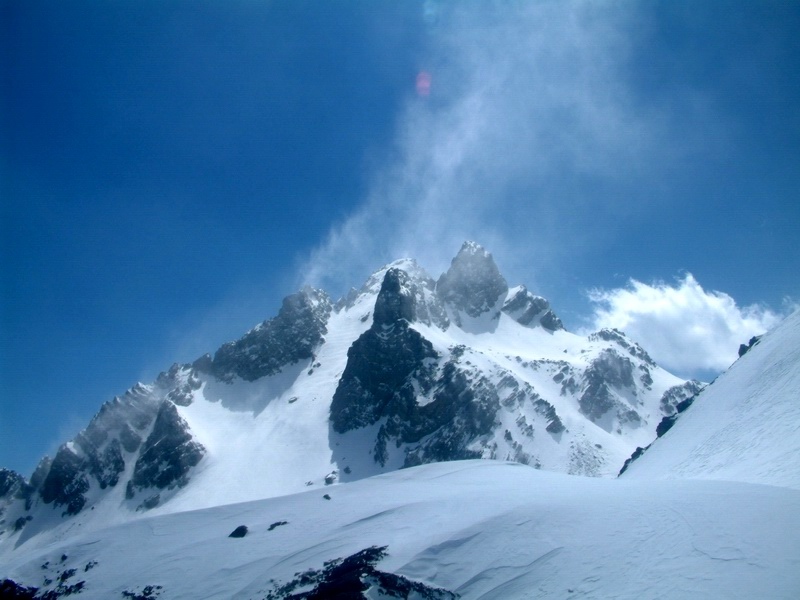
{"x": 204, "y": 364}
{"x": 12, "y": 484}
{"x": 417, "y": 284}
{"x": 66, "y": 482}
{"x": 130, "y": 441}
{"x": 181, "y": 381}
{"x": 666, "y": 424}
{"x": 107, "y": 467}
{"x": 396, "y": 299}
{"x": 148, "y": 592}
{"x": 277, "y": 524}
{"x": 239, "y": 532}
{"x": 11, "y": 590}
{"x": 383, "y": 365}
{"x": 636, "y": 454}
{"x": 550, "y": 321}
{"x": 168, "y": 453}
{"x": 436, "y": 409}
{"x": 529, "y": 310}
{"x": 616, "y": 336}
{"x": 290, "y": 337}
{"x": 675, "y": 395}
{"x": 36, "y": 481}
{"x": 462, "y": 409}
{"x": 745, "y": 348}
{"x": 554, "y": 425}
{"x": 608, "y": 370}
{"x": 96, "y": 452}
{"x": 350, "y": 577}
{"x": 473, "y": 283}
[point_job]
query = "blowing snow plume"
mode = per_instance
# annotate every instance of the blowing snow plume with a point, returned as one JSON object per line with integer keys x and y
{"x": 517, "y": 141}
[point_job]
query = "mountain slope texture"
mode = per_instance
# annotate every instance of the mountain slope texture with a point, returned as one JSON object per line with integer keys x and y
{"x": 743, "y": 427}
{"x": 339, "y": 444}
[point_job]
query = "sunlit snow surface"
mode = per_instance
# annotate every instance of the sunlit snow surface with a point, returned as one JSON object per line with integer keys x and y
{"x": 712, "y": 510}
{"x": 743, "y": 427}
{"x": 482, "y": 529}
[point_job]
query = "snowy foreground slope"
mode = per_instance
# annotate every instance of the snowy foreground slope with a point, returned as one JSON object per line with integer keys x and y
{"x": 479, "y": 529}
{"x": 743, "y": 427}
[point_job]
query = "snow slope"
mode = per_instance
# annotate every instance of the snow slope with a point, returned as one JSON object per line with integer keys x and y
{"x": 743, "y": 427}
{"x": 481, "y": 529}
{"x": 406, "y": 370}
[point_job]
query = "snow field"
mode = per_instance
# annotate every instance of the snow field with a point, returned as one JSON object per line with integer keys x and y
{"x": 483, "y": 529}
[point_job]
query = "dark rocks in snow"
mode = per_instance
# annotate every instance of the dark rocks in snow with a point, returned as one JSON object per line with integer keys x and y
{"x": 290, "y": 337}
{"x": 619, "y": 338}
{"x": 148, "y": 592}
{"x": 12, "y": 484}
{"x": 745, "y": 348}
{"x": 181, "y": 381}
{"x": 130, "y": 441}
{"x": 391, "y": 367}
{"x": 277, "y": 524}
{"x": 66, "y": 481}
{"x": 396, "y": 299}
{"x": 636, "y": 454}
{"x": 108, "y": 466}
{"x": 609, "y": 370}
{"x": 21, "y": 522}
{"x": 355, "y": 577}
{"x": 529, "y": 310}
{"x": 239, "y": 532}
{"x": 473, "y": 283}
{"x": 462, "y": 410}
{"x": 11, "y": 590}
{"x": 168, "y": 453}
{"x": 554, "y": 424}
{"x": 665, "y": 424}
{"x": 550, "y": 321}
{"x": 383, "y": 365}
{"x": 675, "y": 395}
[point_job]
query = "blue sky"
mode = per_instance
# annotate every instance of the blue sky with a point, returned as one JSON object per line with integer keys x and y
{"x": 171, "y": 170}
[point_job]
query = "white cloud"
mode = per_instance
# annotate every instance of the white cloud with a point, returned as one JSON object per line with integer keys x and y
{"x": 528, "y": 119}
{"x": 685, "y": 328}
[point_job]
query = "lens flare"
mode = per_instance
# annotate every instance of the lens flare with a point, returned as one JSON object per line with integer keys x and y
{"x": 423, "y": 83}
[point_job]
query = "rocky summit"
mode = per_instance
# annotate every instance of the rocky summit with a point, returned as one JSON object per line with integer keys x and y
{"x": 403, "y": 371}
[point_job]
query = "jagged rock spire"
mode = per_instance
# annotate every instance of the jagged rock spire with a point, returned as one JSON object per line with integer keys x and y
{"x": 473, "y": 283}
{"x": 395, "y": 300}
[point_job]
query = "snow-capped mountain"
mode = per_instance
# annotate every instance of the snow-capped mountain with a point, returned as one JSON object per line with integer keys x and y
{"x": 311, "y": 415}
{"x": 407, "y": 370}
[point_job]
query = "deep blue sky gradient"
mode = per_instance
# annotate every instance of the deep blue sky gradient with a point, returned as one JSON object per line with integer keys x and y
{"x": 161, "y": 159}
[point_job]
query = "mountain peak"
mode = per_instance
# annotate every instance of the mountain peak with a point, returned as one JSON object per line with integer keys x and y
{"x": 396, "y": 298}
{"x": 473, "y": 283}
{"x": 470, "y": 247}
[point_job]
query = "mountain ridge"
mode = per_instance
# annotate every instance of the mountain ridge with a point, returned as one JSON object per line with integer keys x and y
{"x": 407, "y": 370}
